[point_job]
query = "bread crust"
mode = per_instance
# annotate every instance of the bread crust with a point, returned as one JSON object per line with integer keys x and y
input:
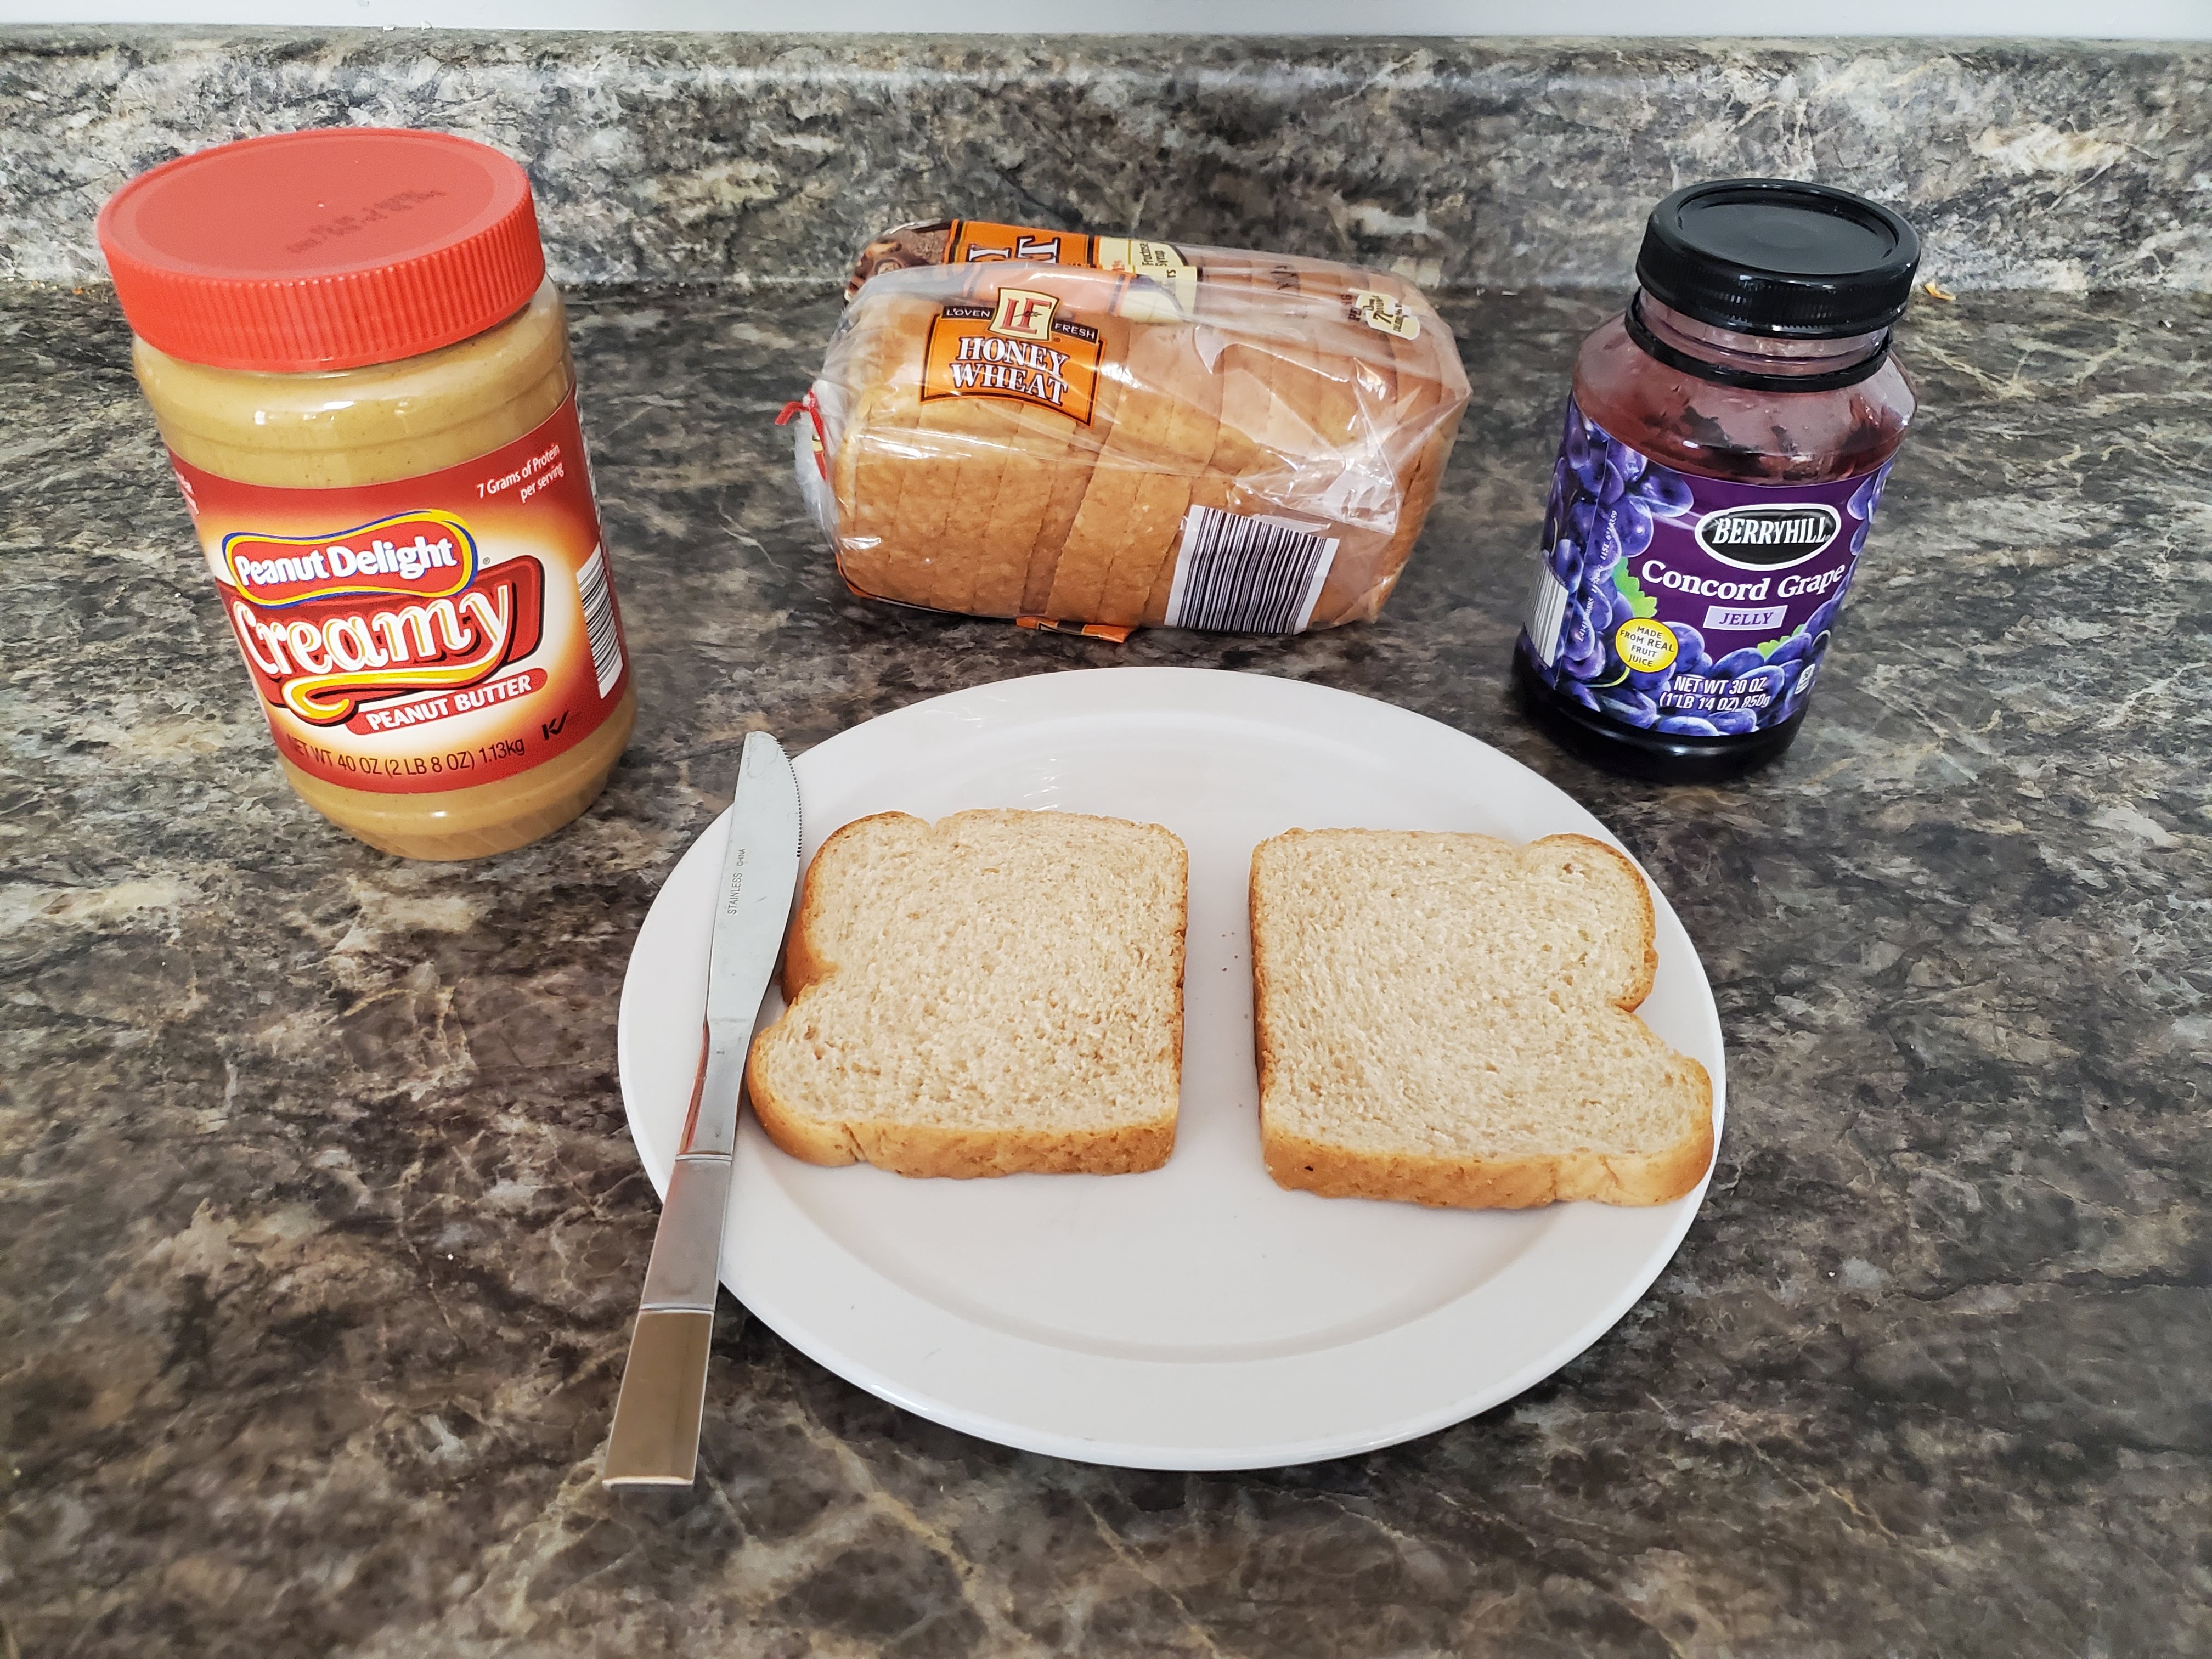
{"x": 919, "y": 1150}
{"x": 1494, "y": 1184}
{"x": 1302, "y": 1163}
{"x": 1632, "y": 999}
{"x": 802, "y": 961}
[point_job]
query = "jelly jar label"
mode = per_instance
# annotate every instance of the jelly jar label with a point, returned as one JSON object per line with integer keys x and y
{"x": 1685, "y": 605}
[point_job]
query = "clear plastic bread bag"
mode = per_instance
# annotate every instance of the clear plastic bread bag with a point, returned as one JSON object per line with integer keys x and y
{"x": 1078, "y": 431}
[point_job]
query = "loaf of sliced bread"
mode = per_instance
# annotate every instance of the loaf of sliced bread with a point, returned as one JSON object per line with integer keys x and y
{"x": 1449, "y": 1019}
{"x": 1258, "y": 387}
{"x": 996, "y": 992}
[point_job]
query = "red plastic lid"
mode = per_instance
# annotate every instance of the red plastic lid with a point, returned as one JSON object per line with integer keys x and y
{"x": 323, "y": 250}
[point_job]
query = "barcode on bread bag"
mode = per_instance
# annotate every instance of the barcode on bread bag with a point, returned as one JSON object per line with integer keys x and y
{"x": 600, "y": 620}
{"x": 1548, "y": 609}
{"x": 1247, "y": 575}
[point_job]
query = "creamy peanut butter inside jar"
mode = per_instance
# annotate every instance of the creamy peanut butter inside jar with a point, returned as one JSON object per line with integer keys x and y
{"x": 363, "y": 379}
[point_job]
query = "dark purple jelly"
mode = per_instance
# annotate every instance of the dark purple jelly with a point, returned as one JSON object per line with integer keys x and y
{"x": 1724, "y": 452}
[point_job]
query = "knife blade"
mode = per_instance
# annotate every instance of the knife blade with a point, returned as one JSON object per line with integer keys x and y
{"x": 655, "y": 1438}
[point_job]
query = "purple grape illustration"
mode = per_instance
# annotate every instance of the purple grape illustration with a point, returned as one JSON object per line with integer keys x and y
{"x": 1628, "y": 704}
{"x": 1605, "y": 500}
{"x": 1667, "y": 490}
{"x": 1789, "y": 650}
{"x": 1691, "y": 645}
{"x": 1868, "y": 496}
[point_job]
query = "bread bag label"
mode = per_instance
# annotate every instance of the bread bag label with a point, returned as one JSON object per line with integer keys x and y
{"x": 1173, "y": 279}
{"x": 972, "y": 242}
{"x": 431, "y": 633}
{"x": 1018, "y": 347}
{"x": 1169, "y": 276}
{"x": 1384, "y": 314}
{"x": 1694, "y": 606}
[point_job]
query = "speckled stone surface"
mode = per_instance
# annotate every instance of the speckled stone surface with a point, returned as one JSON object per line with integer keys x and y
{"x": 322, "y": 1229}
{"x": 1464, "y": 163}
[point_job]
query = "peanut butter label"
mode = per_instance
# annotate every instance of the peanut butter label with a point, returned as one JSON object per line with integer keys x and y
{"x": 432, "y": 634}
{"x": 1020, "y": 346}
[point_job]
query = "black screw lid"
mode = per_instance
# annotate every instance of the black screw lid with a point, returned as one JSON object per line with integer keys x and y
{"x": 1769, "y": 256}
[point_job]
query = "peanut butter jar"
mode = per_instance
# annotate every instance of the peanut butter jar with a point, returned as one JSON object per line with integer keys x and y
{"x": 362, "y": 376}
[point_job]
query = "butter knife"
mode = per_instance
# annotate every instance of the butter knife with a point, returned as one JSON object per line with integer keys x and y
{"x": 655, "y": 1440}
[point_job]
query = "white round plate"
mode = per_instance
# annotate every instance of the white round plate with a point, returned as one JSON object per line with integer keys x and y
{"x": 1199, "y": 1316}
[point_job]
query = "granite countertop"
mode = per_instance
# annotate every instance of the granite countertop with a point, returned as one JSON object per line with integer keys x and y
{"x": 323, "y": 1231}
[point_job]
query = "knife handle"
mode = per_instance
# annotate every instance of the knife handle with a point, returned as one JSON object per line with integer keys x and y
{"x": 655, "y": 1439}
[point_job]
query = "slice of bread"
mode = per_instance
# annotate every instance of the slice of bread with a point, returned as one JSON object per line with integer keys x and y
{"x": 1447, "y": 1019}
{"x": 998, "y": 991}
